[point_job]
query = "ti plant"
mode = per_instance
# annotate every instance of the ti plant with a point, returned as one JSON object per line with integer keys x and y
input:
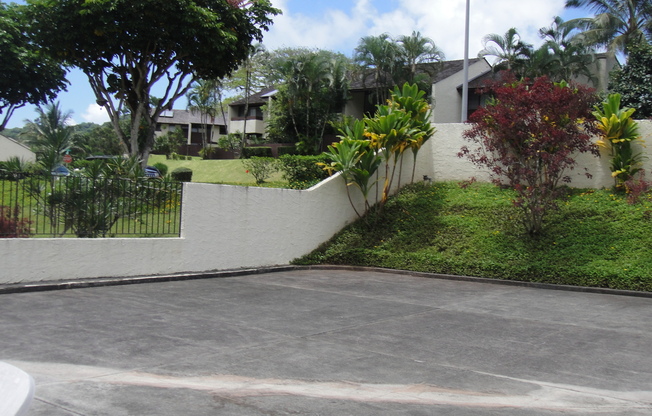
{"x": 356, "y": 161}
{"x": 618, "y": 131}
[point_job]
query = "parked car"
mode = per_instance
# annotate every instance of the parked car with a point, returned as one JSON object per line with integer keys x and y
{"x": 152, "y": 172}
{"x": 60, "y": 171}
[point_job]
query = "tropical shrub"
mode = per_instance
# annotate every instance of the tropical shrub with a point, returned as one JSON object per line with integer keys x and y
{"x": 260, "y": 167}
{"x": 162, "y": 167}
{"x": 355, "y": 159}
{"x": 527, "y": 136}
{"x": 618, "y": 131}
{"x": 302, "y": 172}
{"x": 182, "y": 175}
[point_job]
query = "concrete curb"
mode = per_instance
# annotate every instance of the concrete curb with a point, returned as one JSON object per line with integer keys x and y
{"x": 114, "y": 281}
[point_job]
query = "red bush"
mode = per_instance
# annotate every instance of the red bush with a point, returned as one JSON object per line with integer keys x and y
{"x": 11, "y": 225}
{"x": 528, "y": 135}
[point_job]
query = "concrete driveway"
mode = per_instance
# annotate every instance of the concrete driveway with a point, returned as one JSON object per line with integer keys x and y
{"x": 330, "y": 342}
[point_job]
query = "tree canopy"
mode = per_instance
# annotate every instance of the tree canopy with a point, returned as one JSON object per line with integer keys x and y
{"x": 28, "y": 76}
{"x": 126, "y": 46}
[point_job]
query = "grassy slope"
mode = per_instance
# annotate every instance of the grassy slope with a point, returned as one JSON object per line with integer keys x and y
{"x": 216, "y": 171}
{"x": 594, "y": 239}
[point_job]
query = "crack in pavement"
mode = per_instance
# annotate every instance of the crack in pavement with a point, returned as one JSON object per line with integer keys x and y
{"x": 545, "y": 395}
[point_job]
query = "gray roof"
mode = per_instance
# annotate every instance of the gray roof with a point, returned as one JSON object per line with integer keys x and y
{"x": 188, "y": 117}
{"x": 257, "y": 98}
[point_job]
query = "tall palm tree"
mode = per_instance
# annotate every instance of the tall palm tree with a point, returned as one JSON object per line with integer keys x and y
{"x": 203, "y": 99}
{"x": 379, "y": 56}
{"x": 509, "y": 50}
{"x": 50, "y": 135}
{"x": 617, "y": 23}
{"x": 417, "y": 49}
{"x": 562, "y": 56}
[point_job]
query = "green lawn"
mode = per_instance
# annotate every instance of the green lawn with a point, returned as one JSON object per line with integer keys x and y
{"x": 595, "y": 238}
{"x": 229, "y": 171}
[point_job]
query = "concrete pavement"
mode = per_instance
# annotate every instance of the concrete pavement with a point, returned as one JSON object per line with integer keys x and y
{"x": 330, "y": 342}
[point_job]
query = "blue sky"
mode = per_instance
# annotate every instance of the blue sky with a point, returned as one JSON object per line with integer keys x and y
{"x": 339, "y": 24}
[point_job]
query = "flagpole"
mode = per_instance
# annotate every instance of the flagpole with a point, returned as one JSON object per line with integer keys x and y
{"x": 465, "y": 84}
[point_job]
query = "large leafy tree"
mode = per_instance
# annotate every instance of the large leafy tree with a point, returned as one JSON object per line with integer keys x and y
{"x": 28, "y": 76}
{"x": 125, "y": 47}
{"x": 634, "y": 80}
{"x": 617, "y": 23}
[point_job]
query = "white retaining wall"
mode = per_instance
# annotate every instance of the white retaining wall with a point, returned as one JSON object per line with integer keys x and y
{"x": 223, "y": 227}
{"x": 230, "y": 227}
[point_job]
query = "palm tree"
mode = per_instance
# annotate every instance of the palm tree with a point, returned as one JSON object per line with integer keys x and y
{"x": 417, "y": 49}
{"x": 617, "y": 23}
{"x": 510, "y": 51}
{"x": 562, "y": 56}
{"x": 380, "y": 56}
{"x": 203, "y": 98}
{"x": 50, "y": 135}
{"x": 254, "y": 50}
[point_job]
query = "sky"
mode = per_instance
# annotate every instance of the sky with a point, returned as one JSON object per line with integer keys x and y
{"x": 338, "y": 25}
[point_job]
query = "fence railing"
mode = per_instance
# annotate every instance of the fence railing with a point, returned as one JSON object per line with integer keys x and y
{"x": 72, "y": 206}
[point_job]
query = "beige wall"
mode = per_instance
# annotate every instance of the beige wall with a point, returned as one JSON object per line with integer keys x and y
{"x": 10, "y": 148}
{"x": 447, "y": 101}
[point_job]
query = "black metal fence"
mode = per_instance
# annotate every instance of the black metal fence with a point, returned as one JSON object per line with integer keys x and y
{"x": 75, "y": 206}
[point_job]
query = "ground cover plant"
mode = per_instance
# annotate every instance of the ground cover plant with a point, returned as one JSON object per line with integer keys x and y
{"x": 595, "y": 237}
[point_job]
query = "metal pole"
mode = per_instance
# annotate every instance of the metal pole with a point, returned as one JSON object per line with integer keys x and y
{"x": 465, "y": 84}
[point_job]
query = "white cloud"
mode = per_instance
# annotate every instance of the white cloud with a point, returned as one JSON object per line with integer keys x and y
{"x": 441, "y": 20}
{"x": 95, "y": 114}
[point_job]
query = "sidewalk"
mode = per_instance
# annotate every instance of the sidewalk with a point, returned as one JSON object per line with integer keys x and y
{"x": 330, "y": 342}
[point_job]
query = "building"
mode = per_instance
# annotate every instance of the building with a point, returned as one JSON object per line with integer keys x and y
{"x": 11, "y": 148}
{"x": 192, "y": 125}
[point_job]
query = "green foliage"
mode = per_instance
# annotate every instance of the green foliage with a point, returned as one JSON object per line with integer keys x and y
{"x": 28, "y": 75}
{"x": 169, "y": 142}
{"x": 257, "y": 151}
{"x": 634, "y": 81}
{"x": 182, "y": 175}
{"x": 231, "y": 142}
{"x": 260, "y": 167}
{"x": 286, "y": 150}
{"x": 618, "y": 131}
{"x": 314, "y": 90}
{"x": 162, "y": 167}
{"x": 51, "y": 136}
{"x": 302, "y": 172}
{"x": 474, "y": 231}
{"x": 93, "y": 139}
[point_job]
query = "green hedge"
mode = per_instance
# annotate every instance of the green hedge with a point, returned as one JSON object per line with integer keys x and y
{"x": 286, "y": 150}
{"x": 302, "y": 172}
{"x": 263, "y": 151}
{"x": 182, "y": 174}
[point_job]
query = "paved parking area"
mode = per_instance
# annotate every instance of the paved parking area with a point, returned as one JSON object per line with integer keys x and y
{"x": 330, "y": 342}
